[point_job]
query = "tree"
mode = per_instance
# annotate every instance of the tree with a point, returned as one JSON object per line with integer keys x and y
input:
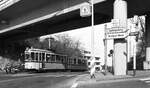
{"x": 63, "y": 44}
{"x": 141, "y": 45}
{"x": 66, "y": 45}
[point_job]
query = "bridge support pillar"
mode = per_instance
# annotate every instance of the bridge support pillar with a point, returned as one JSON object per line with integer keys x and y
{"x": 120, "y": 49}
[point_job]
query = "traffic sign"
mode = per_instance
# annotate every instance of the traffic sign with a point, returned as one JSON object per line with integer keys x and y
{"x": 116, "y": 33}
{"x": 85, "y": 10}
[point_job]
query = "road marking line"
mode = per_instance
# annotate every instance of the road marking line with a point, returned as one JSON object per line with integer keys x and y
{"x": 74, "y": 85}
{"x": 145, "y": 79}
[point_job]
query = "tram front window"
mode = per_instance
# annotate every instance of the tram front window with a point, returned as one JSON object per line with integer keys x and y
{"x": 27, "y": 57}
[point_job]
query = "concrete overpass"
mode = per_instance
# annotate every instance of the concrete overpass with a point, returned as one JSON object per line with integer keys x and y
{"x": 29, "y": 18}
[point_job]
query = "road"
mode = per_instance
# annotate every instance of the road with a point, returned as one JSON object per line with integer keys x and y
{"x": 66, "y": 80}
{"x": 41, "y": 80}
{"x": 131, "y": 83}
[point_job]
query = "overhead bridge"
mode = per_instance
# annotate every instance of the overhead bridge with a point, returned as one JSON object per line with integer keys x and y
{"x": 31, "y": 18}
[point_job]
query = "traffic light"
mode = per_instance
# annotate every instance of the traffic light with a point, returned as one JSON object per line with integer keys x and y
{"x": 111, "y": 51}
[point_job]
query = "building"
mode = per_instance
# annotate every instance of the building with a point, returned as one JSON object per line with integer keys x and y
{"x": 98, "y": 61}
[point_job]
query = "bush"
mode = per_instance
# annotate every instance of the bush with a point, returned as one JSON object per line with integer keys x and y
{"x": 10, "y": 66}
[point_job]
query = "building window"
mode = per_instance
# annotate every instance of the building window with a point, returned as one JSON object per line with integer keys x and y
{"x": 89, "y": 63}
{"x": 97, "y": 58}
{"x": 97, "y": 63}
{"x": 88, "y": 58}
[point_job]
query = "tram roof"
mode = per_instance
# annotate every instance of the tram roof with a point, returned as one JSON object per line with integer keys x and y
{"x": 41, "y": 51}
{"x": 37, "y": 50}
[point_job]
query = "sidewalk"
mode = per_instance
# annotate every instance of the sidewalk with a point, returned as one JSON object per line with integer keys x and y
{"x": 101, "y": 77}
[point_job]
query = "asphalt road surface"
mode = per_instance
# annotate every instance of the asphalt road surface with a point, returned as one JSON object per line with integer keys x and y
{"x": 135, "y": 83}
{"x": 41, "y": 80}
{"x": 66, "y": 80}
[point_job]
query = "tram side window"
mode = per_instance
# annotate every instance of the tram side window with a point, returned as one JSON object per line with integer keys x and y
{"x": 40, "y": 56}
{"x": 74, "y": 61}
{"x": 79, "y": 61}
{"x": 36, "y": 56}
{"x": 32, "y": 56}
{"x": 63, "y": 59}
{"x": 43, "y": 56}
{"x": 58, "y": 58}
{"x": 53, "y": 58}
{"x": 70, "y": 61}
{"x": 48, "y": 58}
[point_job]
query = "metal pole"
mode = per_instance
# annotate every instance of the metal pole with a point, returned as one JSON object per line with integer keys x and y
{"x": 92, "y": 29}
{"x": 134, "y": 57}
{"x": 105, "y": 42}
{"x": 134, "y": 46}
{"x": 92, "y": 36}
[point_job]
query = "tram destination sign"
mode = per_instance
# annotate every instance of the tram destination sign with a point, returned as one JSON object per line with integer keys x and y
{"x": 116, "y": 33}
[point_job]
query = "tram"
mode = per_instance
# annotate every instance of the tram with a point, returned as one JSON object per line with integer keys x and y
{"x": 39, "y": 59}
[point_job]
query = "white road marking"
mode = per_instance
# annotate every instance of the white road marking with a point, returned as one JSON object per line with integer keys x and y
{"x": 74, "y": 85}
{"x": 148, "y": 81}
{"x": 145, "y": 79}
